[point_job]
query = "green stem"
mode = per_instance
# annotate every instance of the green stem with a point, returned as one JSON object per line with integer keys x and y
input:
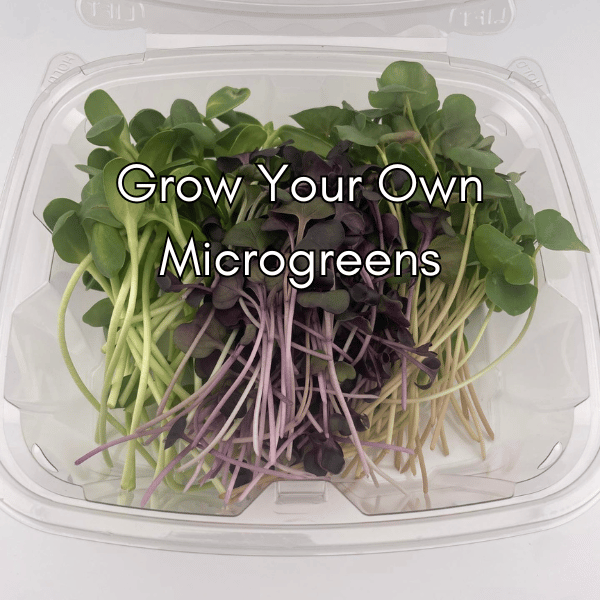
{"x": 176, "y": 226}
{"x": 158, "y": 311}
{"x": 128, "y": 479}
{"x": 211, "y": 125}
{"x": 461, "y": 271}
{"x": 383, "y": 155}
{"x": 62, "y": 342}
{"x": 159, "y": 365}
{"x": 426, "y": 150}
{"x": 269, "y": 142}
{"x": 495, "y": 362}
{"x": 114, "y": 351}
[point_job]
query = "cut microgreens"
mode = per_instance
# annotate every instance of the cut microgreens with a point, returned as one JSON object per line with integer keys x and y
{"x": 237, "y": 381}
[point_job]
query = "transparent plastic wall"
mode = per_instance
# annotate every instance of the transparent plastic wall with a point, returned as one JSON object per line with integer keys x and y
{"x": 542, "y": 401}
{"x": 360, "y": 19}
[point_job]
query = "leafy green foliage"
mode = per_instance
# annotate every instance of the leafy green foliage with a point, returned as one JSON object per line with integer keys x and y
{"x": 556, "y": 233}
{"x": 249, "y": 234}
{"x": 224, "y": 100}
{"x": 450, "y": 250}
{"x": 56, "y": 209}
{"x": 471, "y": 157}
{"x": 512, "y": 299}
{"x": 122, "y": 209}
{"x": 69, "y": 238}
{"x": 108, "y": 249}
{"x": 100, "y": 314}
{"x": 402, "y": 80}
{"x": 304, "y": 140}
{"x": 460, "y": 126}
{"x": 323, "y": 121}
{"x": 99, "y": 105}
{"x": 146, "y": 123}
{"x": 157, "y": 151}
{"x": 499, "y": 254}
{"x": 346, "y": 337}
{"x": 184, "y": 111}
{"x": 107, "y": 132}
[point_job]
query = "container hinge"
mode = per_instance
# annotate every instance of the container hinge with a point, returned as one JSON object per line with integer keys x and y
{"x": 59, "y": 66}
{"x": 529, "y": 70}
{"x": 157, "y": 41}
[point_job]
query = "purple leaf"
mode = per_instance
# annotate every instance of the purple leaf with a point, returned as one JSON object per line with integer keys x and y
{"x": 330, "y": 456}
{"x": 393, "y": 310}
{"x": 350, "y": 217}
{"x": 359, "y": 292}
{"x": 176, "y": 432}
{"x": 228, "y": 291}
{"x": 169, "y": 282}
{"x": 311, "y": 465}
{"x": 195, "y": 297}
{"x": 230, "y": 317}
{"x": 391, "y": 228}
{"x": 430, "y": 366}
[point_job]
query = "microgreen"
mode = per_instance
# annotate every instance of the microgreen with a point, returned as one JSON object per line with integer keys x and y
{"x": 237, "y": 380}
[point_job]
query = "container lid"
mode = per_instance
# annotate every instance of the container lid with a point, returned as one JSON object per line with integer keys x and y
{"x": 185, "y": 23}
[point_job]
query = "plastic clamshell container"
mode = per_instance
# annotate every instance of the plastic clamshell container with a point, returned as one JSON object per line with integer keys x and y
{"x": 543, "y": 401}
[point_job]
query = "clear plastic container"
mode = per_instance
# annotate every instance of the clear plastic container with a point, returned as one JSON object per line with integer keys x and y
{"x": 543, "y": 401}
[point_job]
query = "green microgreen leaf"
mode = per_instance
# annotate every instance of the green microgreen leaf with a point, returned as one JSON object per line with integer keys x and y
{"x": 519, "y": 269}
{"x": 322, "y": 121}
{"x": 411, "y": 76}
{"x": 512, "y": 299}
{"x": 525, "y": 211}
{"x": 201, "y": 134}
{"x": 493, "y": 185}
{"x": 95, "y": 208}
{"x": 248, "y": 234}
{"x": 184, "y": 111}
{"x": 493, "y": 248}
{"x": 224, "y": 100}
{"x": 107, "y": 131}
{"x": 100, "y": 157}
{"x": 480, "y": 159}
{"x": 91, "y": 171}
{"x": 94, "y": 187}
{"x": 156, "y": 152}
{"x": 344, "y": 371}
{"x": 108, "y": 249}
{"x": 251, "y": 137}
{"x": 100, "y": 314}
{"x": 56, "y": 208}
{"x": 461, "y": 127}
{"x": 304, "y": 140}
{"x": 69, "y": 238}
{"x": 100, "y": 105}
{"x": 146, "y": 123}
{"x": 556, "y": 233}
{"x": 368, "y": 136}
{"x": 318, "y": 365}
{"x": 122, "y": 209}
{"x": 234, "y": 117}
{"x": 90, "y": 283}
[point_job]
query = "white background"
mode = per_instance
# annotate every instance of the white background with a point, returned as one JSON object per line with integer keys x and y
{"x": 559, "y": 564}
